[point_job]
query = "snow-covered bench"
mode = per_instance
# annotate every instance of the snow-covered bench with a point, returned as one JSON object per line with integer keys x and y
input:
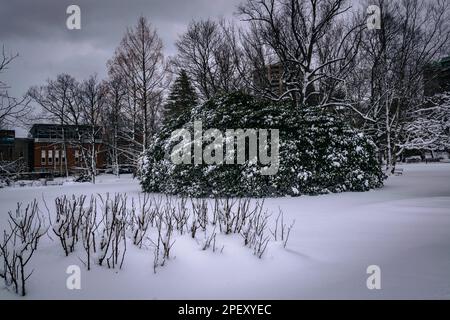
{"x": 398, "y": 171}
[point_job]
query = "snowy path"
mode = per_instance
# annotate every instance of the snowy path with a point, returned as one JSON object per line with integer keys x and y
{"x": 404, "y": 228}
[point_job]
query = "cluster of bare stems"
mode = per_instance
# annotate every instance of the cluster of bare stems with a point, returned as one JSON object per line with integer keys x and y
{"x": 282, "y": 230}
{"x": 103, "y": 229}
{"x": 115, "y": 218}
{"x": 200, "y": 221}
{"x": 76, "y": 221}
{"x": 69, "y": 215}
{"x": 143, "y": 217}
{"x": 210, "y": 241}
{"x": 199, "y": 216}
{"x": 88, "y": 229}
{"x": 100, "y": 234}
{"x": 251, "y": 224}
{"x": 232, "y": 216}
{"x": 181, "y": 216}
{"x": 165, "y": 222}
{"x": 26, "y": 227}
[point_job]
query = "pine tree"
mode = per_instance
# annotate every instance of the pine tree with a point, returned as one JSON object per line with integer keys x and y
{"x": 180, "y": 102}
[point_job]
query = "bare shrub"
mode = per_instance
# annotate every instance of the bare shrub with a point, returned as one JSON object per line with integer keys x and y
{"x": 233, "y": 215}
{"x": 166, "y": 238}
{"x": 243, "y": 213}
{"x": 157, "y": 244}
{"x": 282, "y": 230}
{"x": 19, "y": 243}
{"x": 226, "y": 217}
{"x": 260, "y": 239}
{"x": 239, "y": 216}
{"x": 88, "y": 229}
{"x": 164, "y": 222}
{"x": 194, "y": 226}
{"x": 215, "y": 213}
{"x": 286, "y": 238}
{"x": 69, "y": 213}
{"x": 200, "y": 212}
{"x": 113, "y": 244}
{"x": 181, "y": 216}
{"x": 210, "y": 240}
{"x": 142, "y": 219}
{"x": 254, "y": 230}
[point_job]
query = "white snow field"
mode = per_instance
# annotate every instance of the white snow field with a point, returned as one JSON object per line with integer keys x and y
{"x": 404, "y": 228}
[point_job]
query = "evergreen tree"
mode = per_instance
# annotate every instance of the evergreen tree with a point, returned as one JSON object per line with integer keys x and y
{"x": 318, "y": 153}
{"x": 180, "y": 102}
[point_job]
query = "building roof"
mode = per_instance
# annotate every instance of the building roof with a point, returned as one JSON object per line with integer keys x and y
{"x": 55, "y": 126}
{"x": 54, "y": 131}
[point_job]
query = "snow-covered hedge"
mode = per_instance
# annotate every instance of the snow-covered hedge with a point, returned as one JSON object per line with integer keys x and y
{"x": 318, "y": 154}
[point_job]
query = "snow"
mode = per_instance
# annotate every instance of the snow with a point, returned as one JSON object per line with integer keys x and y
{"x": 403, "y": 228}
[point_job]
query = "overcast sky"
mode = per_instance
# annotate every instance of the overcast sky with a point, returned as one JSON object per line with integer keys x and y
{"x": 36, "y": 29}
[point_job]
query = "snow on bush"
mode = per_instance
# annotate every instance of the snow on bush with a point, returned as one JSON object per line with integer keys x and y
{"x": 318, "y": 153}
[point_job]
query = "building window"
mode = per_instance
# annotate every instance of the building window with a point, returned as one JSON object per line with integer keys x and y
{"x": 63, "y": 156}
{"x": 50, "y": 157}
{"x": 56, "y": 156}
{"x": 77, "y": 156}
{"x": 43, "y": 157}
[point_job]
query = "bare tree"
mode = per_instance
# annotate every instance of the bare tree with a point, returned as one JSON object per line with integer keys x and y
{"x": 131, "y": 131}
{"x": 293, "y": 36}
{"x": 12, "y": 109}
{"x": 429, "y": 129}
{"x": 93, "y": 101}
{"x": 113, "y": 118}
{"x": 60, "y": 99}
{"x": 412, "y": 35}
{"x": 139, "y": 60}
{"x": 206, "y": 54}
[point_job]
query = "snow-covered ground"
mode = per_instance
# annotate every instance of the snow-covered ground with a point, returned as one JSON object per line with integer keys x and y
{"x": 404, "y": 228}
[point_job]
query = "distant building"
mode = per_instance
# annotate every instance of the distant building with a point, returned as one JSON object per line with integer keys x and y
{"x": 16, "y": 154}
{"x": 270, "y": 79}
{"x": 273, "y": 78}
{"x": 436, "y": 77}
{"x": 7, "y": 145}
{"x": 54, "y": 146}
